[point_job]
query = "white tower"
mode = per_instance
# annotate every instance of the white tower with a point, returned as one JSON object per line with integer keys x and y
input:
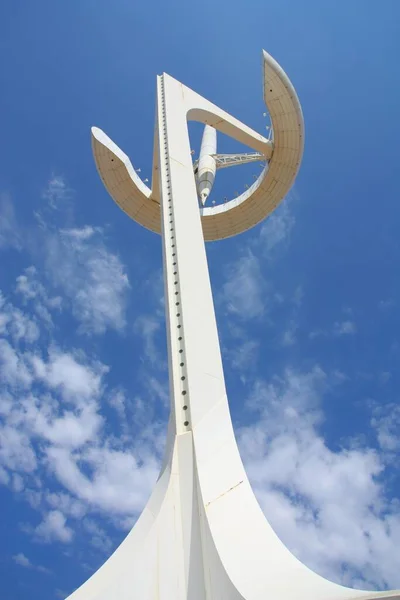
{"x": 202, "y": 535}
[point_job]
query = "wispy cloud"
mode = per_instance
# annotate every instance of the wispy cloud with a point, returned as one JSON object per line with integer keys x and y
{"x": 91, "y": 277}
{"x": 248, "y": 295}
{"x": 10, "y": 235}
{"x": 147, "y": 327}
{"x": 23, "y": 561}
{"x": 339, "y": 329}
{"x": 97, "y": 536}
{"x": 243, "y": 354}
{"x": 247, "y": 292}
{"x": 289, "y": 335}
{"x": 276, "y": 229}
{"x": 386, "y": 423}
{"x": 33, "y": 292}
{"x": 18, "y": 325}
{"x": 57, "y": 192}
{"x": 386, "y": 304}
{"x": 344, "y": 328}
{"x": 244, "y": 290}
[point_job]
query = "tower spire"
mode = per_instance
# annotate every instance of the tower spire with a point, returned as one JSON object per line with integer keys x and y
{"x": 202, "y": 535}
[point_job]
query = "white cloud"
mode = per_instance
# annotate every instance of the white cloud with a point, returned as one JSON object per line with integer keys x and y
{"x": 118, "y": 401}
{"x": 147, "y": 326}
{"x": 80, "y": 235}
{"x": 13, "y": 368}
{"x": 119, "y": 483}
{"x": 81, "y": 268}
{"x": 28, "y": 286}
{"x": 244, "y": 289}
{"x": 67, "y": 504}
{"x": 97, "y": 536}
{"x": 70, "y": 430}
{"x": 386, "y": 423}
{"x": 329, "y": 507}
{"x": 10, "y": 236}
{"x": 32, "y": 496}
{"x": 56, "y": 191}
{"x": 339, "y": 329}
{"x": 4, "y": 476}
{"x": 344, "y": 328}
{"x": 63, "y": 371}
{"x": 16, "y": 451}
{"x": 17, "y": 483}
{"x": 22, "y": 560}
{"x": 246, "y": 292}
{"x": 91, "y": 279}
{"x": 16, "y": 323}
{"x": 276, "y": 229}
{"x": 55, "y": 424}
{"x": 43, "y": 417}
{"x": 23, "y": 328}
{"x": 298, "y": 296}
{"x": 243, "y": 354}
{"x": 158, "y": 390}
{"x": 31, "y": 290}
{"x": 316, "y": 333}
{"x": 54, "y": 528}
{"x": 90, "y": 276}
{"x": 289, "y": 335}
{"x": 386, "y": 304}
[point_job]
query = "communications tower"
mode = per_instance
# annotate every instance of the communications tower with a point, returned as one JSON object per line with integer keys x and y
{"x": 202, "y": 534}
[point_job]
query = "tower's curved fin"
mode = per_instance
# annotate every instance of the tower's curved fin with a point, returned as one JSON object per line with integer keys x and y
{"x": 128, "y": 568}
{"x": 123, "y": 183}
{"x": 176, "y": 550}
{"x": 169, "y": 553}
{"x": 256, "y": 561}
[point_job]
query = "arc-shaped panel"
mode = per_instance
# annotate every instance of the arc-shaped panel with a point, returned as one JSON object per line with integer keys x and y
{"x": 251, "y": 207}
{"x": 256, "y": 203}
{"x": 123, "y": 183}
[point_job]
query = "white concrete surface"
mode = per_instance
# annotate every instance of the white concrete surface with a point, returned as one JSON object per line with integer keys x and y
{"x": 202, "y": 535}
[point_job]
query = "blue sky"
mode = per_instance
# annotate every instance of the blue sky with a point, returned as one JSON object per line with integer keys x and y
{"x": 307, "y": 302}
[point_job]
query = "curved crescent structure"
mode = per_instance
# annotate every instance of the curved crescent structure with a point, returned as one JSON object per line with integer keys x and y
{"x": 283, "y": 154}
{"x": 202, "y": 534}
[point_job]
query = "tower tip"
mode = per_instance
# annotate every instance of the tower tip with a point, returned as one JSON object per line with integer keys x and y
{"x": 96, "y": 132}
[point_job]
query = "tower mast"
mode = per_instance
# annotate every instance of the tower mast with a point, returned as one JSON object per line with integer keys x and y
{"x": 202, "y": 534}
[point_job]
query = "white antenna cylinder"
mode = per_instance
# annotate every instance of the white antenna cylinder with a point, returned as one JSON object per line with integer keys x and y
{"x": 207, "y": 165}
